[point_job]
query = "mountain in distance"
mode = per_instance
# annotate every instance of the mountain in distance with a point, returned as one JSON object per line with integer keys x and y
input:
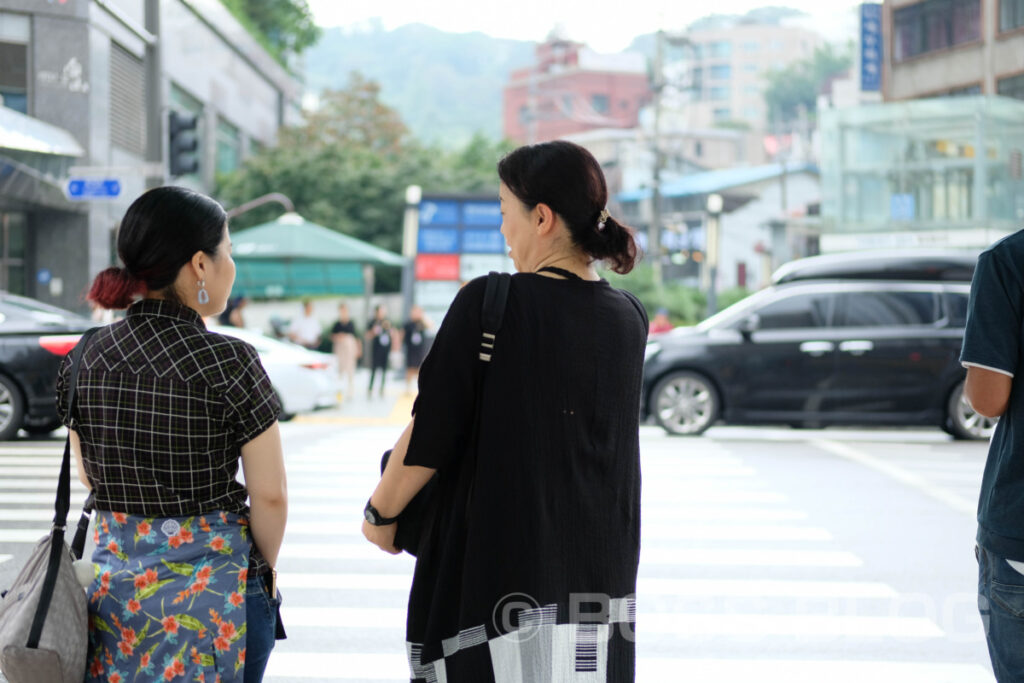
{"x": 446, "y": 86}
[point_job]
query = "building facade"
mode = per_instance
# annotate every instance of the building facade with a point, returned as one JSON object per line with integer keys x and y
{"x": 724, "y": 69}
{"x": 937, "y": 48}
{"x": 73, "y": 78}
{"x": 929, "y": 172}
{"x": 571, "y": 89}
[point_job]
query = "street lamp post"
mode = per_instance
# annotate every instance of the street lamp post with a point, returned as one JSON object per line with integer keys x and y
{"x": 715, "y": 203}
{"x": 410, "y": 235}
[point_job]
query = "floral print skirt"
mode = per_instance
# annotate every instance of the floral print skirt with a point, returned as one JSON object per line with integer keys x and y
{"x": 168, "y": 599}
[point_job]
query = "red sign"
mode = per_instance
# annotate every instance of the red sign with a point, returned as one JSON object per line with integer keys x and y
{"x": 437, "y": 267}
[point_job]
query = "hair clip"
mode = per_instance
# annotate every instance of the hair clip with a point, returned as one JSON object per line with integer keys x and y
{"x": 602, "y": 219}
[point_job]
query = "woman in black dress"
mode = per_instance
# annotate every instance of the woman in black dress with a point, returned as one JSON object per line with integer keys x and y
{"x": 527, "y": 567}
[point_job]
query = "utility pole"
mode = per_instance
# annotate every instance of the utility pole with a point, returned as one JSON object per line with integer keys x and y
{"x": 154, "y": 96}
{"x": 654, "y": 230}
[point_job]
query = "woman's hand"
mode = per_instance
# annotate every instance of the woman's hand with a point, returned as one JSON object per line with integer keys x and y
{"x": 382, "y": 536}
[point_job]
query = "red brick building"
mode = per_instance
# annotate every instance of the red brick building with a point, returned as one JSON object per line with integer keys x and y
{"x": 571, "y": 89}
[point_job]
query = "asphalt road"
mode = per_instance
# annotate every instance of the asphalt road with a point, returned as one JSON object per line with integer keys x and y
{"x": 768, "y": 554}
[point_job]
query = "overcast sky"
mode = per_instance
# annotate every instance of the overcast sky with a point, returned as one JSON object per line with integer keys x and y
{"x": 605, "y": 27}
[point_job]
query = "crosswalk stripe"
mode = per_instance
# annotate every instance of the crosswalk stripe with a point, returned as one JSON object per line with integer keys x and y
{"x": 677, "y": 624}
{"x": 77, "y": 497}
{"x": 5, "y": 558}
{"x": 44, "y": 484}
{"x": 646, "y": 586}
{"x": 339, "y": 666}
{"x": 694, "y": 532}
{"x": 808, "y": 671}
{"x": 648, "y": 555}
{"x": 799, "y": 625}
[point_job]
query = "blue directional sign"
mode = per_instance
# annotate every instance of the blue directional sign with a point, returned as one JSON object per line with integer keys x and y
{"x": 871, "y": 47}
{"x": 81, "y": 189}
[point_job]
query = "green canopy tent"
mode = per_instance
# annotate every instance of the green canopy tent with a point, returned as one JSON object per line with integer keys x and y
{"x": 292, "y": 257}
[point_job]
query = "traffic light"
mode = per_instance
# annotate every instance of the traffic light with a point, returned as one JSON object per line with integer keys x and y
{"x": 183, "y": 144}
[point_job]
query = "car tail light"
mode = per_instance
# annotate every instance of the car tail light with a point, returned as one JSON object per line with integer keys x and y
{"x": 59, "y": 344}
{"x": 316, "y": 366}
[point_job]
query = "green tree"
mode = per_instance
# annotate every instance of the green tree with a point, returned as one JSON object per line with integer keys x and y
{"x": 347, "y": 166}
{"x": 798, "y": 85}
{"x": 285, "y": 26}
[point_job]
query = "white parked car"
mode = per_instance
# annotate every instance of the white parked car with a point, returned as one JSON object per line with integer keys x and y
{"x": 304, "y": 380}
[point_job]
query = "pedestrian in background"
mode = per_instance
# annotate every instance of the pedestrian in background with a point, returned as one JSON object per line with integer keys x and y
{"x": 306, "y": 330}
{"x": 414, "y": 341}
{"x": 232, "y": 315}
{"x": 541, "y": 511}
{"x": 379, "y": 339}
{"x": 993, "y": 353}
{"x": 347, "y": 348}
{"x": 165, "y": 412}
{"x": 660, "y": 323}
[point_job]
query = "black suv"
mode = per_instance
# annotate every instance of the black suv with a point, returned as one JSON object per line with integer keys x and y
{"x": 865, "y": 339}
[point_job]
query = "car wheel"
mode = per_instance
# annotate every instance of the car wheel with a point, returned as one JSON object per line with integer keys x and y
{"x": 685, "y": 403}
{"x": 963, "y": 421}
{"x": 12, "y": 408}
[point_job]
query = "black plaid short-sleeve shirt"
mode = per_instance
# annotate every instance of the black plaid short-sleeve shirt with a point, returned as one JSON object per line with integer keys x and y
{"x": 163, "y": 408}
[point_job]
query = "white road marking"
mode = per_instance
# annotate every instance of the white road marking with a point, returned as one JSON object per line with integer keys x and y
{"x": 900, "y": 474}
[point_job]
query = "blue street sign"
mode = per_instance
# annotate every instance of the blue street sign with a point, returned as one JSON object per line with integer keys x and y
{"x": 871, "y": 47}
{"x": 93, "y": 188}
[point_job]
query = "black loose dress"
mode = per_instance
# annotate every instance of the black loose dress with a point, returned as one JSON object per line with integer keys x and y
{"x": 527, "y": 572}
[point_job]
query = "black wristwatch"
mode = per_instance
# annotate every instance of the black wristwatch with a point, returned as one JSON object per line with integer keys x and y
{"x": 375, "y": 518}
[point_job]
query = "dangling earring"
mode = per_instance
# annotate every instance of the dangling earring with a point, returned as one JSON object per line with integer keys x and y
{"x": 204, "y": 296}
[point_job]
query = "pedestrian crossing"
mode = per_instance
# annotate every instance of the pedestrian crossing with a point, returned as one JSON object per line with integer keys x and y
{"x": 740, "y": 579}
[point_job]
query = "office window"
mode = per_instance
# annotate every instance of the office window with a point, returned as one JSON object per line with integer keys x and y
{"x": 718, "y": 93}
{"x": 721, "y": 48}
{"x": 935, "y": 25}
{"x": 1011, "y": 14}
{"x": 229, "y": 147}
{"x": 752, "y": 114}
{"x": 750, "y": 68}
{"x": 1011, "y": 87}
{"x": 13, "y": 241}
{"x": 966, "y": 91}
{"x": 751, "y": 47}
{"x": 723, "y": 114}
{"x": 567, "y": 105}
{"x": 127, "y": 100}
{"x": 600, "y": 103}
{"x": 14, "y": 39}
{"x": 698, "y": 149}
{"x": 524, "y": 115}
{"x": 752, "y": 90}
{"x": 721, "y": 72}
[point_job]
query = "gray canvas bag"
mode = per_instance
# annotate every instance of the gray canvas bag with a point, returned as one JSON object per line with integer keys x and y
{"x": 44, "y": 617}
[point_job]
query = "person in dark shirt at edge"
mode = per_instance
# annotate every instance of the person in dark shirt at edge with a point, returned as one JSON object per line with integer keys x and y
{"x": 165, "y": 412}
{"x": 993, "y": 353}
{"x": 528, "y": 564}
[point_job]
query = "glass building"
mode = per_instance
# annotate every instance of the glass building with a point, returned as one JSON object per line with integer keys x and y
{"x": 940, "y": 172}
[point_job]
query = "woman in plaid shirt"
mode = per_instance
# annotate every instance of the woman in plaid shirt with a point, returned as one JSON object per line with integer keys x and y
{"x": 165, "y": 411}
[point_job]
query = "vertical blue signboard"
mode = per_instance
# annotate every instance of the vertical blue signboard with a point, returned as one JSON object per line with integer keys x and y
{"x": 871, "y": 47}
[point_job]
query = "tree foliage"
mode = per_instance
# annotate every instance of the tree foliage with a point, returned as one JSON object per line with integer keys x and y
{"x": 798, "y": 85}
{"x": 347, "y": 168}
{"x": 286, "y": 26}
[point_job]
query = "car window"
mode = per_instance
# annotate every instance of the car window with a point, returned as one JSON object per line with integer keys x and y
{"x": 956, "y": 307}
{"x": 886, "y": 309}
{"x": 802, "y": 310}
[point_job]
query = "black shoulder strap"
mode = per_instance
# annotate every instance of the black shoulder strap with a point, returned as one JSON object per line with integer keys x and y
{"x": 493, "y": 312}
{"x": 60, "y": 506}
